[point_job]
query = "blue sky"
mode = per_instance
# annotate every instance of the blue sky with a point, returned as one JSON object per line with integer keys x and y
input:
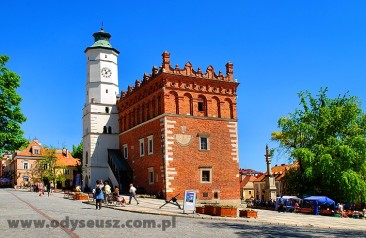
{"x": 278, "y": 49}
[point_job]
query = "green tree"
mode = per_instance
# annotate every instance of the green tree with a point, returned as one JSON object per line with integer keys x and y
{"x": 11, "y": 117}
{"x": 327, "y": 138}
{"x": 77, "y": 152}
{"x": 48, "y": 169}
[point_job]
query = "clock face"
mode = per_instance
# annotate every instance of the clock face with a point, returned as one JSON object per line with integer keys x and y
{"x": 106, "y": 72}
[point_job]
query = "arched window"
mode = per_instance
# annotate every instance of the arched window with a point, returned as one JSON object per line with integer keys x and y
{"x": 228, "y": 109}
{"x": 106, "y": 109}
{"x": 104, "y": 129}
{"x": 86, "y": 157}
{"x": 202, "y": 106}
{"x": 159, "y": 105}
{"x": 174, "y": 100}
{"x": 216, "y": 107}
{"x": 153, "y": 108}
{"x": 187, "y": 104}
{"x": 148, "y": 110}
{"x": 143, "y": 113}
{"x": 109, "y": 130}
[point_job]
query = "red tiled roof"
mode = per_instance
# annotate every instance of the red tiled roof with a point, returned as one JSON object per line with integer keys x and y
{"x": 278, "y": 172}
{"x": 247, "y": 178}
{"x": 28, "y": 151}
{"x": 64, "y": 157}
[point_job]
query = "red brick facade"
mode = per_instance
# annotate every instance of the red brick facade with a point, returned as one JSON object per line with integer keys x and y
{"x": 187, "y": 122}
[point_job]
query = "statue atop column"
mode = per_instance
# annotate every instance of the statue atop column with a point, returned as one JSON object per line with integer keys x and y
{"x": 270, "y": 186}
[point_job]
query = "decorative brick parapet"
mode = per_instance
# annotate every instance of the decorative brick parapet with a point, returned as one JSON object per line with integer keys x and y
{"x": 188, "y": 72}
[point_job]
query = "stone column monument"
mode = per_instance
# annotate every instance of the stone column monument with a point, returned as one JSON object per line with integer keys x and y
{"x": 270, "y": 187}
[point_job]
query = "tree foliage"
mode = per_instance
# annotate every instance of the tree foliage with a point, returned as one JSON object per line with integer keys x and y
{"x": 47, "y": 168}
{"x": 77, "y": 152}
{"x": 327, "y": 138}
{"x": 11, "y": 117}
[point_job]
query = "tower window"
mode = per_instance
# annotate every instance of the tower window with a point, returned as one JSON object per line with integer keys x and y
{"x": 106, "y": 109}
{"x": 104, "y": 129}
{"x": 109, "y": 130}
{"x": 106, "y": 91}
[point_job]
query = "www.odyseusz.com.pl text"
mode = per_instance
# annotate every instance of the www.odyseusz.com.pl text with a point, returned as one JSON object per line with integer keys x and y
{"x": 73, "y": 224}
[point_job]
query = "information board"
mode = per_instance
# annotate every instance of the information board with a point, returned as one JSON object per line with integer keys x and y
{"x": 189, "y": 202}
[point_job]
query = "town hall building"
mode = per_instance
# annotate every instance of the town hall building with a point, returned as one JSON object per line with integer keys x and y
{"x": 174, "y": 130}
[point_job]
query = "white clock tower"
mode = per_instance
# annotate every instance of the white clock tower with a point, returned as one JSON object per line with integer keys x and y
{"x": 100, "y": 115}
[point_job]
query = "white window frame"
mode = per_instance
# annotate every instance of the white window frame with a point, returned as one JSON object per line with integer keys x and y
{"x": 142, "y": 147}
{"x": 46, "y": 166}
{"x": 25, "y": 165}
{"x": 151, "y": 175}
{"x": 125, "y": 151}
{"x": 210, "y": 177}
{"x": 150, "y": 145}
{"x": 207, "y": 143}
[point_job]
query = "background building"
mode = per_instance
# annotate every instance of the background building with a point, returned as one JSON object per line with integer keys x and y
{"x": 278, "y": 172}
{"x": 25, "y": 169}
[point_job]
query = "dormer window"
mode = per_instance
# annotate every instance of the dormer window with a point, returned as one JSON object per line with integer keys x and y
{"x": 35, "y": 150}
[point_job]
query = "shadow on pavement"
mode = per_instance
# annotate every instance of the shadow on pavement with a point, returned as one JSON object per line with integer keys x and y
{"x": 261, "y": 230}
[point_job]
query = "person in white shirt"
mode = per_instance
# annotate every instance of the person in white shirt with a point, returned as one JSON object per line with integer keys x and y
{"x": 133, "y": 194}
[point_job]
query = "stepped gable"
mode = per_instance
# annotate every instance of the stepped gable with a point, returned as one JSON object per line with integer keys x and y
{"x": 186, "y": 78}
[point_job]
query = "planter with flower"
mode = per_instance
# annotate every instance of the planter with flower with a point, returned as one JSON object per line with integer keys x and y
{"x": 248, "y": 213}
{"x": 211, "y": 209}
{"x": 200, "y": 210}
{"x": 227, "y": 211}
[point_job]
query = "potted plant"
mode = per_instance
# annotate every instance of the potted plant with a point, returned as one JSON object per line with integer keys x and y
{"x": 248, "y": 213}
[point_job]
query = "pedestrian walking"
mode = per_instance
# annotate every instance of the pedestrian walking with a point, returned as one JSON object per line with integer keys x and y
{"x": 40, "y": 189}
{"x": 98, "y": 194}
{"x": 133, "y": 194}
{"x": 48, "y": 187}
{"x": 281, "y": 205}
{"x": 52, "y": 186}
{"x": 107, "y": 191}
